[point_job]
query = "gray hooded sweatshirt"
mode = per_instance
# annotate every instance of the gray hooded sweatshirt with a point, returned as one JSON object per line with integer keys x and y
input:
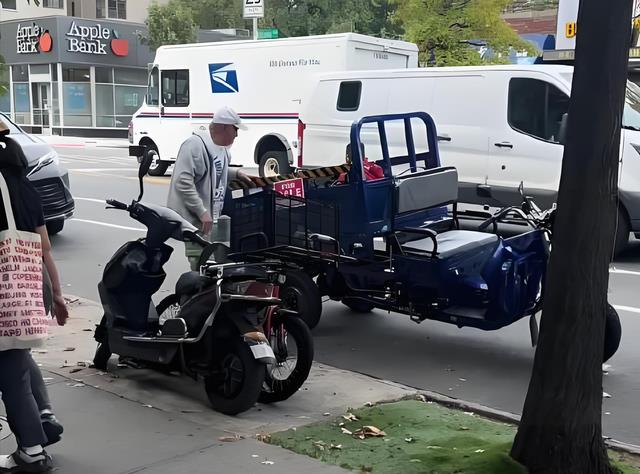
{"x": 198, "y": 171}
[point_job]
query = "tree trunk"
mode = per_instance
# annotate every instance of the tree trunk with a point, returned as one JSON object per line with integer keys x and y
{"x": 561, "y": 426}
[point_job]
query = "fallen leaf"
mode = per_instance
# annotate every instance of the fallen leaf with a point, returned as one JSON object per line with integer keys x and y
{"x": 147, "y": 406}
{"x": 350, "y": 417}
{"x": 87, "y": 330}
{"x": 268, "y": 463}
{"x": 607, "y": 413}
{"x": 470, "y": 413}
{"x": 462, "y": 380}
{"x": 605, "y": 395}
{"x": 464, "y": 428}
{"x": 341, "y": 424}
{"x": 68, "y": 349}
{"x": 369, "y": 432}
{"x": 39, "y": 351}
{"x": 78, "y": 385}
{"x": 409, "y": 440}
{"x": 263, "y": 437}
{"x": 479, "y": 451}
{"x": 346, "y": 431}
{"x": 335, "y": 446}
{"x": 368, "y": 404}
{"x": 326, "y": 414}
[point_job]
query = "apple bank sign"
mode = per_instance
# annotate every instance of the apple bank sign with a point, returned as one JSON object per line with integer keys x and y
{"x": 32, "y": 39}
{"x": 95, "y": 40}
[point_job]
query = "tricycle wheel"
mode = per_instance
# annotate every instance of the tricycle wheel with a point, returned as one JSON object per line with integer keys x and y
{"x": 237, "y": 384}
{"x": 612, "y": 333}
{"x": 358, "y": 306}
{"x": 292, "y": 344}
{"x": 300, "y": 293}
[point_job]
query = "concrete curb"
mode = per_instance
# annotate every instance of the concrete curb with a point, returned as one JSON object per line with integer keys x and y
{"x": 426, "y": 395}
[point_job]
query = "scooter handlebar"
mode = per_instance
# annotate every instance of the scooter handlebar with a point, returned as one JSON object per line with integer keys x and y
{"x": 117, "y": 204}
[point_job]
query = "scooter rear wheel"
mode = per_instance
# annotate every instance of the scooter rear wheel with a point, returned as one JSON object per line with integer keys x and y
{"x": 240, "y": 379}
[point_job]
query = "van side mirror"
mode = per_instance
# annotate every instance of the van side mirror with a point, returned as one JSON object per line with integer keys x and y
{"x": 562, "y": 132}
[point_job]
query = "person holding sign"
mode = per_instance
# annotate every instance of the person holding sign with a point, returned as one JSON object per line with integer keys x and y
{"x": 24, "y": 247}
{"x": 200, "y": 176}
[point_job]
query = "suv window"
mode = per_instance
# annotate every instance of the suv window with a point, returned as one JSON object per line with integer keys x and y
{"x": 349, "y": 96}
{"x": 175, "y": 88}
{"x": 536, "y": 108}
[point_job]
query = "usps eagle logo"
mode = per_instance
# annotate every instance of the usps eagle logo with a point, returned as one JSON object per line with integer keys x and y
{"x": 224, "y": 80}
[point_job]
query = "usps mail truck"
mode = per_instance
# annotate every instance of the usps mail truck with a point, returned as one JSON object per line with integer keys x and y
{"x": 265, "y": 81}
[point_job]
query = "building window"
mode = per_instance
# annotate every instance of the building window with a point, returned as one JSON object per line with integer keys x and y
{"x": 175, "y": 88}
{"x": 115, "y": 9}
{"x": 72, "y": 74}
{"x": 119, "y": 93}
{"x": 20, "y": 73}
{"x": 9, "y": 4}
{"x": 53, "y": 4}
{"x": 5, "y": 98}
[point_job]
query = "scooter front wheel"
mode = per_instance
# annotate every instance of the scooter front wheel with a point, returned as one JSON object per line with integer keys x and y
{"x": 237, "y": 384}
{"x": 292, "y": 344}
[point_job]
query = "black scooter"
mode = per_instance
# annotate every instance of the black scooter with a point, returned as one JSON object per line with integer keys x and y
{"x": 218, "y": 332}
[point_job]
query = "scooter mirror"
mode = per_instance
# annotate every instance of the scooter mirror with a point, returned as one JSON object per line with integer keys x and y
{"x": 145, "y": 163}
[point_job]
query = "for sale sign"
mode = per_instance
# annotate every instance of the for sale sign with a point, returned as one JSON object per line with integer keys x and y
{"x": 290, "y": 187}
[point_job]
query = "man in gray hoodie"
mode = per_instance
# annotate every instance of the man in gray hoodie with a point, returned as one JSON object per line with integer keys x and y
{"x": 200, "y": 176}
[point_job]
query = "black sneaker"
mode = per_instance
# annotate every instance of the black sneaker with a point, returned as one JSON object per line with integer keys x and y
{"x": 52, "y": 428}
{"x": 27, "y": 463}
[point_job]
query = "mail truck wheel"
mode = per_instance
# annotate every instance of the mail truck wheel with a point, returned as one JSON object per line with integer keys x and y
{"x": 274, "y": 163}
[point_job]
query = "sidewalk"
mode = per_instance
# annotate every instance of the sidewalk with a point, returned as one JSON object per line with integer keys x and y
{"x": 57, "y": 141}
{"x": 140, "y": 421}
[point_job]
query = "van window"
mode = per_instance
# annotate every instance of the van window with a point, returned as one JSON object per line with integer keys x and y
{"x": 153, "y": 87}
{"x": 175, "y": 88}
{"x": 349, "y": 96}
{"x": 536, "y": 108}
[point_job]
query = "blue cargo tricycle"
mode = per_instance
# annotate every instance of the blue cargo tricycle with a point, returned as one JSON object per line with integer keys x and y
{"x": 394, "y": 242}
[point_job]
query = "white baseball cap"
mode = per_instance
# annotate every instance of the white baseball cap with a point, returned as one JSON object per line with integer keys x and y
{"x": 227, "y": 116}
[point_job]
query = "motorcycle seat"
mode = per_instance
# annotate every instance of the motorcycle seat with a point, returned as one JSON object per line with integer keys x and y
{"x": 452, "y": 242}
{"x": 190, "y": 283}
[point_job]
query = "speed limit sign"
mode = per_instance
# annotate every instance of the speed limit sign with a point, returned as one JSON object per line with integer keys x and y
{"x": 253, "y": 9}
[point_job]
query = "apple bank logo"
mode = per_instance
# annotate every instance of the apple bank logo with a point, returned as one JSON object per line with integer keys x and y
{"x": 223, "y": 80}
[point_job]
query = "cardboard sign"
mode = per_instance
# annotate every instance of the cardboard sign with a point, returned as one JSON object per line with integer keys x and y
{"x": 290, "y": 187}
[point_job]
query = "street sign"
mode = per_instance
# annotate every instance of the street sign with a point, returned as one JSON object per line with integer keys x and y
{"x": 253, "y": 8}
{"x": 290, "y": 187}
{"x": 268, "y": 33}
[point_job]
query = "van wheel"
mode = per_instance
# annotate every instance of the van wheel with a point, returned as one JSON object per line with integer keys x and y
{"x": 273, "y": 163}
{"x": 622, "y": 232}
{"x": 157, "y": 168}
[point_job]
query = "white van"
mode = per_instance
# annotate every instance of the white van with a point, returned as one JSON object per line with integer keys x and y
{"x": 498, "y": 125}
{"x": 264, "y": 81}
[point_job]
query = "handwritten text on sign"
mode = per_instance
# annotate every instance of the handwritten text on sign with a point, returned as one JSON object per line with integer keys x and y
{"x": 22, "y": 312}
{"x": 291, "y": 187}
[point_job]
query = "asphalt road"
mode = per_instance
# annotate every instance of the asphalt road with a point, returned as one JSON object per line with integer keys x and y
{"x": 492, "y": 368}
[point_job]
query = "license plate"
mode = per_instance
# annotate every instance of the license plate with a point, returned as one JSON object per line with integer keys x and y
{"x": 262, "y": 351}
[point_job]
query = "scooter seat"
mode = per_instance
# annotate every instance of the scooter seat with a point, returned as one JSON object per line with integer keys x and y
{"x": 452, "y": 242}
{"x": 190, "y": 283}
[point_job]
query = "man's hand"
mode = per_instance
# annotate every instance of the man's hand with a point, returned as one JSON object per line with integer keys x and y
{"x": 207, "y": 223}
{"x": 243, "y": 177}
{"x": 60, "y": 310}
